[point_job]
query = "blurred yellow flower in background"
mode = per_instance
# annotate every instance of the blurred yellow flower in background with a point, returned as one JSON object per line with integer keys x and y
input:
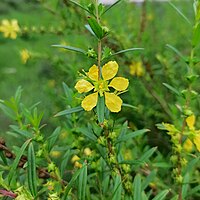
{"x": 10, "y": 28}
{"x": 101, "y": 86}
{"x": 25, "y": 55}
{"x": 194, "y": 137}
{"x": 136, "y": 69}
{"x": 75, "y": 160}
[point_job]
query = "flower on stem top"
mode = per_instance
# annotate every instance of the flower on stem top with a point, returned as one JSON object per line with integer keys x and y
{"x": 10, "y": 28}
{"x": 101, "y": 86}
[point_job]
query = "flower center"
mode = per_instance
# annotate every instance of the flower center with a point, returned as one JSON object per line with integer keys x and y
{"x": 101, "y": 86}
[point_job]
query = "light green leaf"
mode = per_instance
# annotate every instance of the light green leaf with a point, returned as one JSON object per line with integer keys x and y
{"x": 117, "y": 188}
{"x": 127, "y": 50}
{"x": 129, "y": 106}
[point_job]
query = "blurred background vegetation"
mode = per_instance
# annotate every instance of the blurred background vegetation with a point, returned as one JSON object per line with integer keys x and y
{"x": 150, "y": 25}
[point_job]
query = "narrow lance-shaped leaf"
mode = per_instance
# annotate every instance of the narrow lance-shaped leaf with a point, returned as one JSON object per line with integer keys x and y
{"x": 69, "y": 111}
{"x": 96, "y": 28}
{"x": 177, "y": 52}
{"x": 172, "y": 89}
{"x": 82, "y": 182}
{"x": 71, "y": 183}
{"x": 13, "y": 168}
{"x": 70, "y": 48}
{"x": 117, "y": 188}
{"x": 180, "y": 13}
{"x": 100, "y": 109}
{"x": 32, "y": 177}
{"x": 137, "y": 187}
{"x": 114, "y": 4}
{"x": 161, "y": 195}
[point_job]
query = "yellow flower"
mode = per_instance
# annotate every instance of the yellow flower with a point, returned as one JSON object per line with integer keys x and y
{"x": 195, "y": 136}
{"x": 101, "y": 86}
{"x": 25, "y": 55}
{"x": 75, "y": 160}
{"x": 136, "y": 69}
{"x": 87, "y": 151}
{"x": 9, "y": 29}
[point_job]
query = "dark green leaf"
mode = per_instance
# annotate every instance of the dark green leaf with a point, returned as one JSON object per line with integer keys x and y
{"x": 71, "y": 183}
{"x": 137, "y": 187}
{"x": 32, "y": 177}
{"x": 161, "y": 195}
{"x": 131, "y": 135}
{"x": 13, "y": 168}
{"x": 172, "y": 89}
{"x": 70, "y": 48}
{"x": 52, "y": 139}
{"x": 185, "y": 186}
{"x": 69, "y": 111}
{"x": 85, "y": 131}
{"x": 96, "y": 28}
{"x": 117, "y": 188}
{"x": 100, "y": 109}
{"x": 82, "y": 183}
{"x": 148, "y": 179}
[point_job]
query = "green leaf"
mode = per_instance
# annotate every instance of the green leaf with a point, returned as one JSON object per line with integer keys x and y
{"x": 137, "y": 187}
{"x": 185, "y": 186}
{"x": 196, "y": 35}
{"x": 131, "y": 135}
{"x": 64, "y": 162}
{"x": 9, "y": 112}
{"x": 180, "y": 13}
{"x": 190, "y": 166}
{"x": 82, "y": 183}
{"x": 32, "y": 177}
{"x": 126, "y": 50}
{"x": 69, "y": 111}
{"x": 177, "y": 52}
{"x": 87, "y": 26}
{"x": 3, "y": 157}
{"x": 114, "y": 4}
{"x": 129, "y": 106}
{"x": 52, "y": 139}
{"x": 85, "y": 131}
{"x": 100, "y": 109}
{"x": 23, "y": 133}
{"x": 117, "y": 188}
{"x": 161, "y": 195}
{"x": 96, "y": 28}
{"x": 174, "y": 90}
{"x": 193, "y": 191}
{"x": 72, "y": 182}
{"x": 14, "y": 165}
{"x": 81, "y": 6}
{"x": 70, "y": 48}
{"x": 18, "y": 94}
{"x": 148, "y": 179}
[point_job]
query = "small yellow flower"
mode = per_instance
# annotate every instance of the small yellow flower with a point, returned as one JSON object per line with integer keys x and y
{"x": 101, "y": 86}
{"x": 136, "y": 69}
{"x": 9, "y": 28}
{"x": 195, "y": 138}
{"x": 75, "y": 160}
{"x": 87, "y": 151}
{"x": 25, "y": 55}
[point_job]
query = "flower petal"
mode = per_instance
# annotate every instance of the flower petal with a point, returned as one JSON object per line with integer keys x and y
{"x": 196, "y": 141}
{"x": 83, "y": 86}
{"x": 90, "y": 101}
{"x": 190, "y": 121}
{"x": 113, "y": 102}
{"x": 109, "y": 70}
{"x": 93, "y": 73}
{"x": 119, "y": 83}
{"x": 187, "y": 146}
